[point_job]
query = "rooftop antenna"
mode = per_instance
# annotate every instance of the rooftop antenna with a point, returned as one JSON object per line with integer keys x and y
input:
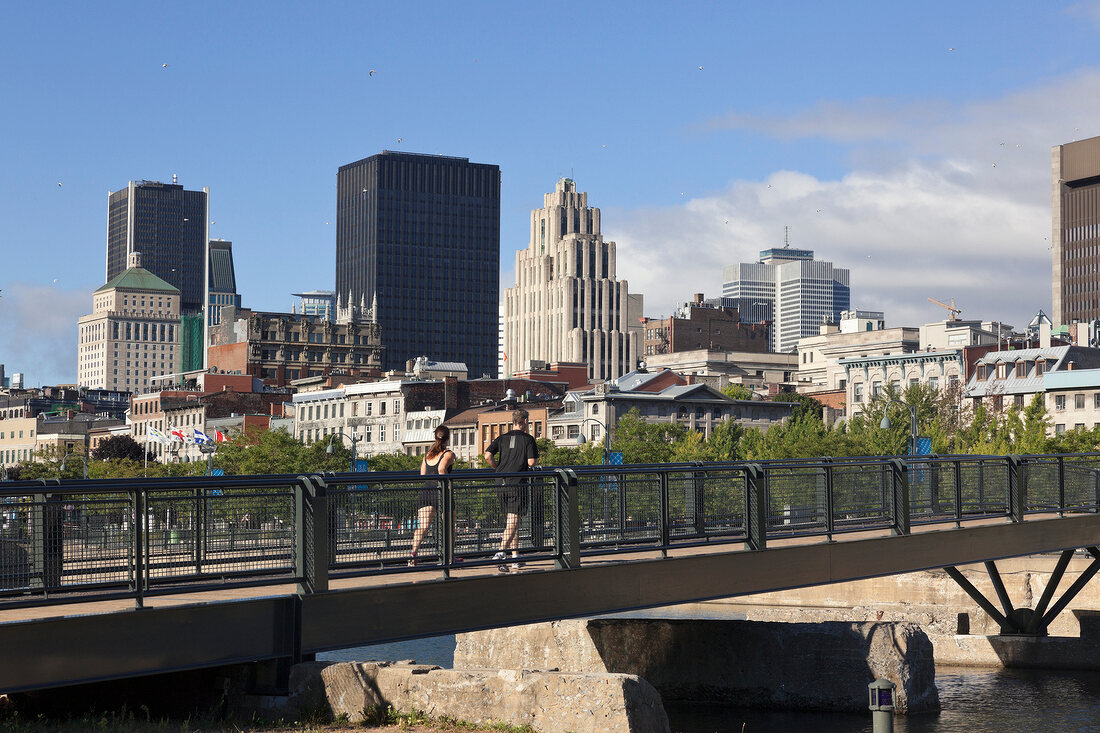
{"x": 786, "y": 237}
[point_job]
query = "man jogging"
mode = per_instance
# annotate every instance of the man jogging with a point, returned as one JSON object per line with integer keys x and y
{"x": 513, "y": 452}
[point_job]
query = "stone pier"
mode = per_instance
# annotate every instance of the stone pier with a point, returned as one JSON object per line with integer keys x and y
{"x": 819, "y": 666}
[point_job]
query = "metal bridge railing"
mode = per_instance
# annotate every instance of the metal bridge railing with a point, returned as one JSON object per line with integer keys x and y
{"x": 130, "y": 538}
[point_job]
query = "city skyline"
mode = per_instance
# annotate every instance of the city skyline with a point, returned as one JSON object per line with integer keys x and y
{"x": 920, "y": 161}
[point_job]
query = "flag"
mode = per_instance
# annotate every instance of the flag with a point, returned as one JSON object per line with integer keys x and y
{"x": 178, "y": 435}
{"x": 159, "y": 437}
{"x": 201, "y": 437}
{"x": 219, "y": 436}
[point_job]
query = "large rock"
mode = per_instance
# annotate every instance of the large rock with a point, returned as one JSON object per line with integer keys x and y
{"x": 822, "y": 666}
{"x": 549, "y": 702}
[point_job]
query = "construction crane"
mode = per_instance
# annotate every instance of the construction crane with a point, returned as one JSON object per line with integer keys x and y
{"x": 954, "y": 311}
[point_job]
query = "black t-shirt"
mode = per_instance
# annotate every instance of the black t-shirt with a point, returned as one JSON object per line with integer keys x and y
{"x": 515, "y": 448}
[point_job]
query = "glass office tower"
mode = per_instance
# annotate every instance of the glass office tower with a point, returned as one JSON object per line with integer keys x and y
{"x": 167, "y": 224}
{"x": 418, "y": 248}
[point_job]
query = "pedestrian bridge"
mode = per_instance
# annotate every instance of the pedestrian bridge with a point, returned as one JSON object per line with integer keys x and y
{"x": 110, "y": 579}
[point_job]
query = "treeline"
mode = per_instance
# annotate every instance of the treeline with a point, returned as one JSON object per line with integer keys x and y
{"x": 952, "y": 423}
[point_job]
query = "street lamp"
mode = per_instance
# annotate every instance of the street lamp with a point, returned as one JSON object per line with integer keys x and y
{"x": 208, "y": 450}
{"x": 885, "y": 424}
{"x": 606, "y": 436}
{"x": 329, "y": 450}
{"x": 83, "y": 460}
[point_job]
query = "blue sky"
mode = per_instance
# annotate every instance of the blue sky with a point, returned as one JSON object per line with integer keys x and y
{"x": 871, "y": 129}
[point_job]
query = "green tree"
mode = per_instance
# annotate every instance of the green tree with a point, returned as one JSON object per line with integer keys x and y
{"x": 807, "y": 405}
{"x": 120, "y": 447}
{"x": 645, "y": 442}
{"x": 737, "y": 391}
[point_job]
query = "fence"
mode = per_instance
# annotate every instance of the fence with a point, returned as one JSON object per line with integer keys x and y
{"x": 132, "y": 538}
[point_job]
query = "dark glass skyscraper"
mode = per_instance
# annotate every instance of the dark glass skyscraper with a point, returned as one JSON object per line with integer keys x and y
{"x": 418, "y": 241}
{"x": 167, "y": 224}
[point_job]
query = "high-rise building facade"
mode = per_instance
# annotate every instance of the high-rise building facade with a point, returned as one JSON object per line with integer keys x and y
{"x": 132, "y": 334}
{"x": 1075, "y": 237}
{"x": 799, "y": 291}
{"x": 567, "y": 305}
{"x": 223, "y": 280}
{"x": 418, "y": 249}
{"x": 320, "y": 303}
{"x": 167, "y": 224}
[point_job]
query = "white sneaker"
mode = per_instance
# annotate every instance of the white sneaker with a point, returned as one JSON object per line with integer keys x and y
{"x": 500, "y": 556}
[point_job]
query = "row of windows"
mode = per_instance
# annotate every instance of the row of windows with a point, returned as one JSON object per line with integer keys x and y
{"x": 1079, "y": 401}
{"x": 895, "y": 385}
{"x": 1000, "y": 370}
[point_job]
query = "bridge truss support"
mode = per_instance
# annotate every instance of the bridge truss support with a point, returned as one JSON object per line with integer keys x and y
{"x": 1028, "y": 621}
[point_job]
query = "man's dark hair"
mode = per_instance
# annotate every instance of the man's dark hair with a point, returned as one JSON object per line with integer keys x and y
{"x": 519, "y": 416}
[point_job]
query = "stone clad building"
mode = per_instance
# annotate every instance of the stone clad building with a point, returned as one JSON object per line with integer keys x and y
{"x": 281, "y": 347}
{"x": 132, "y": 334}
{"x": 567, "y": 305}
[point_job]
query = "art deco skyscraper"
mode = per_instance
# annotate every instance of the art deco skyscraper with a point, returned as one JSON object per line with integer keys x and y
{"x": 567, "y": 305}
{"x": 418, "y": 252}
{"x": 1075, "y": 237}
{"x": 167, "y": 225}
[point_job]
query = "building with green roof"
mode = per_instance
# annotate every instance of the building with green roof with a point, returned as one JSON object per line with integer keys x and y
{"x": 133, "y": 333}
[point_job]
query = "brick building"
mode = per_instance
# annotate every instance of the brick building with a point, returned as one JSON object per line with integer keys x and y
{"x": 701, "y": 325}
{"x": 281, "y": 347}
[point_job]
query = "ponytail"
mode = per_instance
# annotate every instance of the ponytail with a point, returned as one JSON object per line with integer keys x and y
{"x": 442, "y": 437}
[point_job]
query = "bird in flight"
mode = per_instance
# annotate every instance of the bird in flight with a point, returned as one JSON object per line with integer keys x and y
{"x": 371, "y": 72}
{"x": 164, "y": 66}
{"x": 59, "y": 184}
{"x": 400, "y": 139}
{"x": 951, "y": 49}
{"x": 700, "y": 68}
{"x": 994, "y": 165}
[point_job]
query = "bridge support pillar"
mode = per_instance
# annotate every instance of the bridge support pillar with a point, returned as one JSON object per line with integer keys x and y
{"x": 1028, "y": 621}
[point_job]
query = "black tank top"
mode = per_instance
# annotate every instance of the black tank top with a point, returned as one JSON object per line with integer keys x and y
{"x": 434, "y": 470}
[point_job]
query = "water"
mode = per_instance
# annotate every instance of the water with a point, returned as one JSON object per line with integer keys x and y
{"x": 972, "y": 700}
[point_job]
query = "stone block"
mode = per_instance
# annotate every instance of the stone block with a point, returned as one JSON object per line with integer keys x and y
{"x": 548, "y": 701}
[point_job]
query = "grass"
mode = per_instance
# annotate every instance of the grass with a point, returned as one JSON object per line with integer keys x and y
{"x": 376, "y": 715}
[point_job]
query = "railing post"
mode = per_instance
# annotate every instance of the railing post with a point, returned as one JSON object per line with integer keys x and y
{"x": 311, "y": 530}
{"x": 198, "y": 527}
{"x": 695, "y": 501}
{"x": 663, "y": 528}
{"x": 446, "y": 524}
{"x": 829, "y": 499}
{"x": 1016, "y": 493}
{"x": 140, "y": 518}
{"x": 567, "y": 520}
{"x": 756, "y": 507}
{"x": 957, "y": 464}
{"x": 1061, "y": 486}
{"x": 47, "y": 541}
{"x": 899, "y": 470}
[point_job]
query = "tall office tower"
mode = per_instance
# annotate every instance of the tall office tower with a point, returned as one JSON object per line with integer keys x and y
{"x": 418, "y": 250}
{"x": 132, "y": 334}
{"x": 567, "y": 305}
{"x": 1076, "y": 231}
{"x": 799, "y": 291}
{"x": 167, "y": 224}
{"x": 223, "y": 280}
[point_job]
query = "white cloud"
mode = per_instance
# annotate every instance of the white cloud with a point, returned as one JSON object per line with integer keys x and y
{"x": 941, "y": 201}
{"x": 38, "y": 331}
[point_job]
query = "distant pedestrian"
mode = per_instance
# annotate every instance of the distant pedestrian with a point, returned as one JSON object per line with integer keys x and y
{"x": 437, "y": 462}
{"x": 513, "y": 452}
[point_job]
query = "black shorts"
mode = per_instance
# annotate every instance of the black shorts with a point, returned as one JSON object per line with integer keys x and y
{"x": 428, "y": 496}
{"x": 513, "y": 498}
